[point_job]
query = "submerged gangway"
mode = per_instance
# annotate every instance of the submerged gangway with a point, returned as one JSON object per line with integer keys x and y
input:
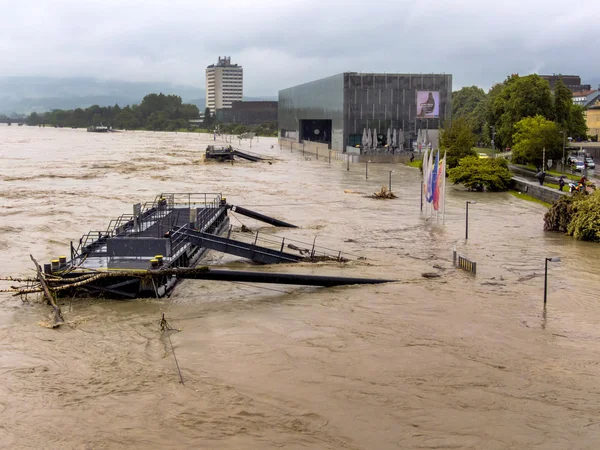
{"x": 234, "y": 247}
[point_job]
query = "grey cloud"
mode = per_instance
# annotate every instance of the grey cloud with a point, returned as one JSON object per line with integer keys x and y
{"x": 286, "y": 42}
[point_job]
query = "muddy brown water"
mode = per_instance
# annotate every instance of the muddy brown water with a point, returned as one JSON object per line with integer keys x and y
{"x": 453, "y": 362}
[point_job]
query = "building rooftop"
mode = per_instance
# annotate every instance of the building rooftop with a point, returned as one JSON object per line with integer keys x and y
{"x": 584, "y": 93}
{"x": 225, "y": 61}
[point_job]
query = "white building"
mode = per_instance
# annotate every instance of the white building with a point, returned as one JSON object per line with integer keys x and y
{"x": 224, "y": 84}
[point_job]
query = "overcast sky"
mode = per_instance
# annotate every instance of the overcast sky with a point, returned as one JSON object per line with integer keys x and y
{"x": 285, "y": 42}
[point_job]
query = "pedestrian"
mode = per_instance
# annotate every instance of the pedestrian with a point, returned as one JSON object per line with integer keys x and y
{"x": 561, "y": 184}
{"x": 540, "y": 176}
{"x": 412, "y": 157}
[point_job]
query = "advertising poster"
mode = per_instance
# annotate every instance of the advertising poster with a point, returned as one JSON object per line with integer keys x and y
{"x": 428, "y": 104}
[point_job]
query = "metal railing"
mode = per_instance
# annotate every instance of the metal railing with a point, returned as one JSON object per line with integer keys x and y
{"x": 464, "y": 263}
{"x": 160, "y": 213}
{"x": 285, "y": 244}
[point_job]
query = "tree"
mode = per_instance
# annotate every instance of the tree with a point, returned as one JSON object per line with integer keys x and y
{"x": 34, "y": 119}
{"x": 577, "y": 215}
{"x": 576, "y": 124}
{"x": 457, "y": 139}
{"x": 470, "y": 103}
{"x": 208, "y": 119}
{"x": 490, "y": 174}
{"x": 517, "y": 98}
{"x": 563, "y": 99}
{"x": 585, "y": 223}
{"x": 532, "y": 136}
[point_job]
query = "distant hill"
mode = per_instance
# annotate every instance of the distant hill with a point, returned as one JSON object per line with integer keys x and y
{"x": 24, "y": 95}
{"x": 201, "y": 102}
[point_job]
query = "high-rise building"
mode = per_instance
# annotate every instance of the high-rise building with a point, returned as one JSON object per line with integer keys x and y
{"x": 224, "y": 84}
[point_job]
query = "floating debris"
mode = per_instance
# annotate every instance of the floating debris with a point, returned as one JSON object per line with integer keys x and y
{"x": 384, "y": 194}
{"x": 430, "y": 275}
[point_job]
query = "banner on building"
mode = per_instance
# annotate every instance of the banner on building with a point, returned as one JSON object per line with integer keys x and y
{"x": 428, "y": 104}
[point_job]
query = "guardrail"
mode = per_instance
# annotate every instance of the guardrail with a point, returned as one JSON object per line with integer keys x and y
{"x": 463, "y": 262}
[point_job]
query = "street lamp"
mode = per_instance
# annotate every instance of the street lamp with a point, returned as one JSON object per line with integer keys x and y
{"x": 467, "y": 217}
{"x": 564, "y": 161}
{"x": 367, "y": 170}
{"x": 555, "y": 259}
{"x": 391, "y": 180}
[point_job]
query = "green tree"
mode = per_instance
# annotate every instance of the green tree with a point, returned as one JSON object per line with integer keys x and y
{"x": 585, "y": 223}
{"x": 457, "y": 139}
{"x": 34, "y": 119}
{"x": 477, "y": 174}
{"x": 208, "y": 119}
{"x": 576, "y": 124}
{"x": 532, "y": 136}
{"x": 470, "y": 103}
{"x": 563, "y": 99}
{"x": 517, "y": 98}
{"x": 577, "y": 215}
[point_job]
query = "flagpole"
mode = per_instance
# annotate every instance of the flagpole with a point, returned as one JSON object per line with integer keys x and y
{"x": 444, "y": 197}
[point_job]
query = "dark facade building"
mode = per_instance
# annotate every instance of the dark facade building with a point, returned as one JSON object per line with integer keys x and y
{"x": 573, "y": 82}
{"x": 336, "y": 110}
{"x": 248, "y": 113}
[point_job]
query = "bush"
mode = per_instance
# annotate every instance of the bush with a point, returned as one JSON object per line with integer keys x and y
{"x": 479, "y": 174}
{"x": 577, "y": 215}
{"x": 585, "y": 223}
{"x": 560, "y": 214}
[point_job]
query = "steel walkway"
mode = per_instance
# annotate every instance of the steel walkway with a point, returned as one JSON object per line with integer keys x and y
{"x": 255, "y": 253}
{"x": 247, "y": 156}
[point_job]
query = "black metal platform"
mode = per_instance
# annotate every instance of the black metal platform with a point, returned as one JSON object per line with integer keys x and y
{"x": 147, "y": 252}
{"x": 229, "y": 153}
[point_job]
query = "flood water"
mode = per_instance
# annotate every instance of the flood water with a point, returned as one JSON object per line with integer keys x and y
{"x": 453, "y": 362}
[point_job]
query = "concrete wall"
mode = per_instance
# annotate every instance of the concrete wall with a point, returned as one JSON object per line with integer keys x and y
{"x": 543, "y": 193}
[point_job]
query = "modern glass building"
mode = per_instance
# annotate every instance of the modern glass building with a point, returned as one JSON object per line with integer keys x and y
{"x": 336, "y": 110}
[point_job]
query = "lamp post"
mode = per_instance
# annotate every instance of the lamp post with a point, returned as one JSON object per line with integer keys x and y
{"x": 390, "y": 184}
{"x": 467, "y": 218}
{"x": 564, "y": 133}
{"x": 554, "y": 259}
{"x": 367, "y": 170}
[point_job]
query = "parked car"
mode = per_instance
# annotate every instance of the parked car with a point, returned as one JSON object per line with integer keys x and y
{"x": 590, "y": 163}
{"x": 577, "y": 165}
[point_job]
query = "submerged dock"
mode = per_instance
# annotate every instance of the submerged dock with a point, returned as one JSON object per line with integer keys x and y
{"x": 229, "y": 153}
{"x": 146, "y": 253}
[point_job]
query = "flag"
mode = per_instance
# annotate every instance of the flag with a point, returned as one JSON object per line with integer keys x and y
{"x": 433, "y": 177}
{"x": 438, "y": 185}
{"x": 425, "y": 172}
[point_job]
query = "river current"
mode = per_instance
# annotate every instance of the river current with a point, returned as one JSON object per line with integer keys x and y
{"x": 459, "y": 361}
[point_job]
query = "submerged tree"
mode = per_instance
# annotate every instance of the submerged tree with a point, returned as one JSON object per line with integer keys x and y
{"x": 577, "y": 215}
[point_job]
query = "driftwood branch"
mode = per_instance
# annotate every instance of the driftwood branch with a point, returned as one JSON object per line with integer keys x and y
{"x": 58, "y": 317}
